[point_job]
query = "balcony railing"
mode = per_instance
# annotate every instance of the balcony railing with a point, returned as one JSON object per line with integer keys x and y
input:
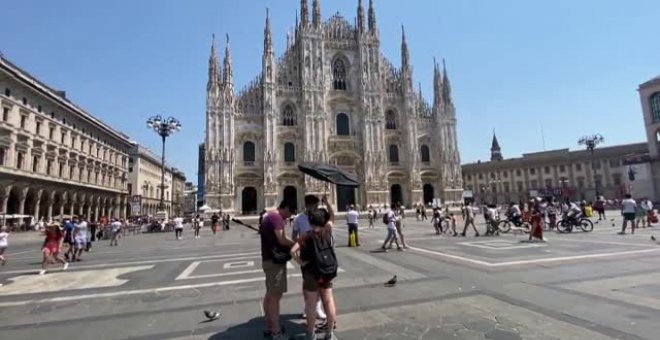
{"x": 248, "y": 163}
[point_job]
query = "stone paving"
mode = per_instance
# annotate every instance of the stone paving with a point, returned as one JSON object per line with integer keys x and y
{"x": 595, "y": 285}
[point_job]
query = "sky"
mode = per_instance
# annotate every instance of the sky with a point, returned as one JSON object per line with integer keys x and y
{"x": 517, "y": 67}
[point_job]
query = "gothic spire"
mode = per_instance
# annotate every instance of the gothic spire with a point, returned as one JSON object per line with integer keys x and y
{"x": 405, "y": 55}
{"x": 268, "y": 42}
{"x": 316, "y": 14}
{"x": 495, "y": 150}
{"x": 437, "y": 84}
{"x": 228, "y": 74}
{"x": 304, "y": 14}
{"x": 214, "y": 68}
{"x": 360, "y": 17}
{"x": 446, "y": 85}
{"x": 372, "y": 16}
{"x": 297, "y": 26}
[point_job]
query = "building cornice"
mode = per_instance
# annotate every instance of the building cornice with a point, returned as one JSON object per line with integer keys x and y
{"x": 27, "y": 79}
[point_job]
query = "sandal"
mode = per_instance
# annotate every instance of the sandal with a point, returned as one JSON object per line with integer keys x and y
{"x": 323, "y": 327}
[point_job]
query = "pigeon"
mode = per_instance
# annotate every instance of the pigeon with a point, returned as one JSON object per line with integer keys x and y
{"x": 211, "y": 315}
{"x": 391, "y": 282}
{"x": 652, "y": 237}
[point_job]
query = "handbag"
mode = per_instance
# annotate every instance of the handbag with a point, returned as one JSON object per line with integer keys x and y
{"x": 280, "y": 256}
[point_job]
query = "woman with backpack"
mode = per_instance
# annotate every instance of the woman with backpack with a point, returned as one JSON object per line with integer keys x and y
{"x": 316, "y": 255}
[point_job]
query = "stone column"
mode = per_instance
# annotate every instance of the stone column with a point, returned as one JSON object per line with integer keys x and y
{"x": 4, "y": 196}
{"x": 88, "y": 213}
{"x": 51, "y": 201}
{"x": 73, "y": 203}
{"x": 21, "y": 198}
{"x": 82, "y": 203}
{"x": 123, "y": 207}
{"x": 64, "y": 201}
{"x": 37, "y": 204}
{"x": 96, "y": 209}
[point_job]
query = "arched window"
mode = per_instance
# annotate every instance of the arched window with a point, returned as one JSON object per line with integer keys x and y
{"x": 426, "y": 154}
{"x": 289, "y": 152}
{"x": 394, "y": 154}
{"x": 390, "y": 120}
{"x": 248, "y": 153}
{"x": 339, "y": 75}
{"x": 654, "y": 104}
{"x": 289, "y": 117}
{"x": 343, "y": 126}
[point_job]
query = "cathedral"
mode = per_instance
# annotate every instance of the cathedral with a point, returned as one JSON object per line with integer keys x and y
{"x": 331, "y": 97}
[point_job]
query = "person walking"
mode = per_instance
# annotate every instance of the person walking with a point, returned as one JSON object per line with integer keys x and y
{"x": 371, "y": 215}
{"x": 315, "y": 254}
{"x": 69, "y": 225}
{"x": 196, "y": 225}
{"x": 115, "y": 232}
{"x": 301, "y": 226}
{"x": 4, "y": 243}
{"x": 352, "y": 217}
{"x": 469, "y": 219}
{"x": 80, "y": 239}
{"x": 275, "y": 248}
{"x": 399, "y": 216}
{"x": 178, "y": 227}
{"x": 214, "y": 222}
{"x": 390, "y": 220}
{"x": 628, "y": 209}
{"x": 52, "y": 248}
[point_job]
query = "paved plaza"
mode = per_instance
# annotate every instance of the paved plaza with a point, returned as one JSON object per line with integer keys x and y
{"x": 595, "y": 285}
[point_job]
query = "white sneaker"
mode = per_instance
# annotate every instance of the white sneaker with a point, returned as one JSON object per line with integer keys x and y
{"x": 65, "y": 266}
{"x": 42, "y": 272}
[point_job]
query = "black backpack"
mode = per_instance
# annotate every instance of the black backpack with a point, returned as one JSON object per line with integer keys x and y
{"x": 323, "y": 261}
{"x": 386, "y": 219}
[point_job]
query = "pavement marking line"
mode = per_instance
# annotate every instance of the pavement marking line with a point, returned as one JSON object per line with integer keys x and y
{"x": 608, "y": 242}
{"x": 532, "y": 261}
{"x": 575, "y": 257}
{"x": 133, "y": 292}
{"x": 186, "y": 272}
{"x": 119, "y": 264}
{"x": 453, "y": 257}
{"x": 495, "y": 245}
{"x": 240, "y": 264}
{"x": 60, "y": 281}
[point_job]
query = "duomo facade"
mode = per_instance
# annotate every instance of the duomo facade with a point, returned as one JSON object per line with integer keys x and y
{"x": 332, "y": 97}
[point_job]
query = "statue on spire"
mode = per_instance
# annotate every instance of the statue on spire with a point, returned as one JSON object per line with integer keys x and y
{"x": 268, "y": 42}
{"x": 228, "y": 74}
{"x": 316, "y": 14}
{"x": 304, "y": 14}
{"x": 214, "y": 67}
{"x": 446, "y": 85}
{"x": 360, "y": 17}
{"x": 372, "y": 17}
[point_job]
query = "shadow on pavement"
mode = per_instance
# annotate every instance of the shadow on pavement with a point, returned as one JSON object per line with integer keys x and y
{"x": 253, "y": 329}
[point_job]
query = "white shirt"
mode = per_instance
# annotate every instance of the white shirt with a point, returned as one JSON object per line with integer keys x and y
{"x": 515, "y": 210}
{"x": 352, "y": 216}
{"x": 391, "y": 218}
{"x": 301, "y": 224}
{"x": 3, "y": 238}
{"x": 82, "y": 230}
{"x": 116, "y": 225}
{"x": 628, "y": 205}
{"x": 178, "y": 223}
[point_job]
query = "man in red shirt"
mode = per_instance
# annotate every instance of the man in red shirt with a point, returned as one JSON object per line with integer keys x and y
{"x": 274, "y": 242}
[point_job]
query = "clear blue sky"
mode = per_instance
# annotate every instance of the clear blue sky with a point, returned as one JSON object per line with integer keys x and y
{"x": 570, "y": 66}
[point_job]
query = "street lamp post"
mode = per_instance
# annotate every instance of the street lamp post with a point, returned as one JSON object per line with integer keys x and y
{"x": 590, "y": 142}
{"x": 164, "y": 128}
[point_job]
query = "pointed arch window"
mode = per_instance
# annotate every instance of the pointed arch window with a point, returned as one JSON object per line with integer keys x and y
{"x": 289, "y": 116}
{"x": 654, "y": 104}
{"x": 425, "y": 154}
{"x": 343, "y": 125}
{"x": 339, "y": 74}
{"x": 394, "y": 154}
{"x": 249, "y": 153}
{"x": 390, "y": 120}
{"x": 289, "y": 153}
